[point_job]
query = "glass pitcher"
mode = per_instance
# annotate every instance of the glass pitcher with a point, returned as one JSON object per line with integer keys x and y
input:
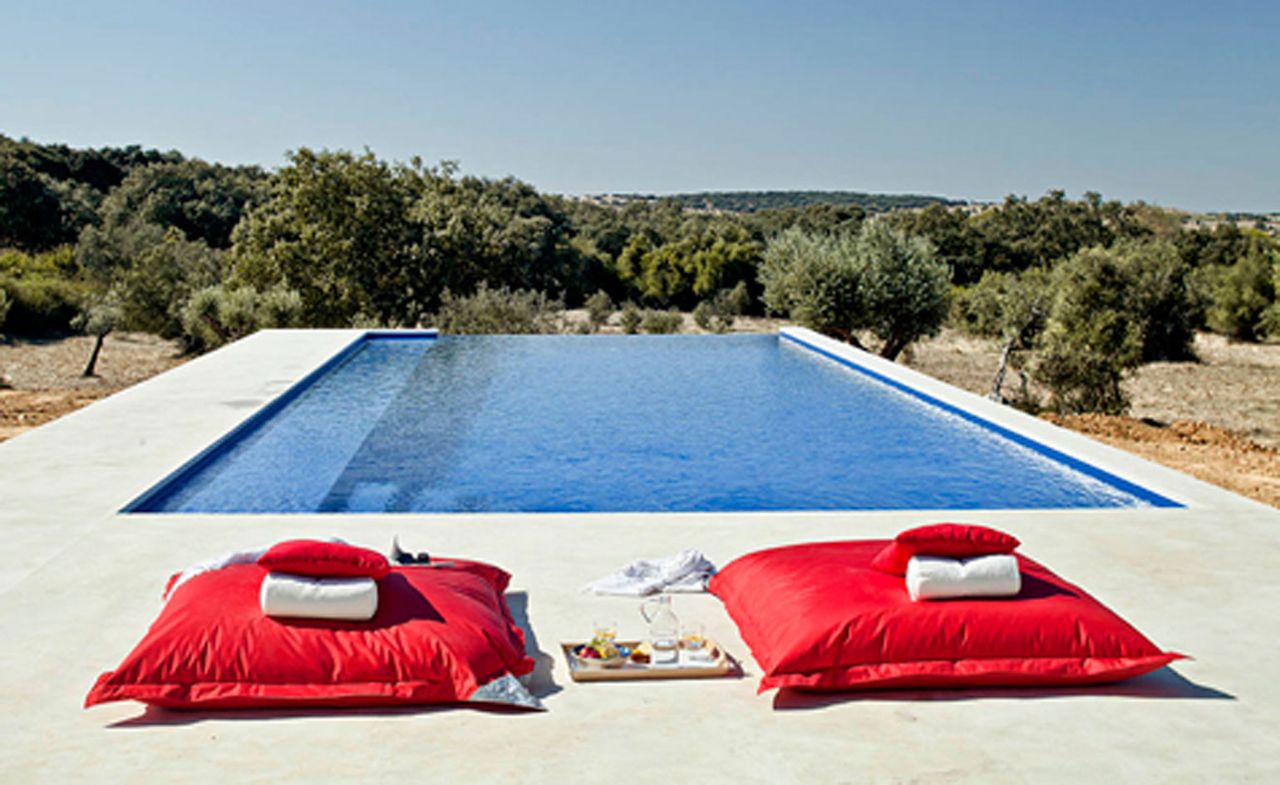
{"x": 664, "y": 630}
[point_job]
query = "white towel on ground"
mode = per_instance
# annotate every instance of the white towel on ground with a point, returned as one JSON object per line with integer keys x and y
{"x": 938, "y": 578}
{"x": 297, "y": 596}
{"x": 686, "y": 571}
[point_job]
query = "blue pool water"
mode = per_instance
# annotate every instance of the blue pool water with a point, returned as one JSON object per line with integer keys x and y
{"x": 617, "y": 423}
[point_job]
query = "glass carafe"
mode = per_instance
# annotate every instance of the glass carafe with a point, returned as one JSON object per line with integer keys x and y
{"x": 664, "y": 630}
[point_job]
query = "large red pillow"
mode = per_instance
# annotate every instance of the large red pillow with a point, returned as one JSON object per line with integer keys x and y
{"x": 440, "y": 635}
{"x": 820, "y": 617}
{"x": 320, "y": 559}
{"x": 953, "y": 540}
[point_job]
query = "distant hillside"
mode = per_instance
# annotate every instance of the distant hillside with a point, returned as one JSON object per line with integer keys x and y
{"x": 751, "y": 201}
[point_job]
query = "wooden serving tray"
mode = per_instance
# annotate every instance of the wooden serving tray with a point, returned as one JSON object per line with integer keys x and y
{"x": 720, "y": 664}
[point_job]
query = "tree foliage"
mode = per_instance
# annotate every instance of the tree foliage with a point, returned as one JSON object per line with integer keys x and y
{"x": 1093, "y": 335}
{"x": 880, "y": 281}
{"x": 1241, "y": 296}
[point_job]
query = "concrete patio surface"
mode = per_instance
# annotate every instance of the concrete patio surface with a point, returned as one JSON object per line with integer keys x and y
{"x": 80, "y": 583}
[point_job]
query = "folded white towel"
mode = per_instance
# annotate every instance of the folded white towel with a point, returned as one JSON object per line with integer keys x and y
{"x": 938, "y": 578}
{"x": 349, "y": 599}
{"x": 686, "y": 571}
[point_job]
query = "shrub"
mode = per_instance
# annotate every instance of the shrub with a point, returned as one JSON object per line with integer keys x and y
{"x": 630, "y": 318}
{"x": 1093, "y": 335}
{"x": 718, "y": 313}
{"x": 216, "y": 315}
{"x": 1240, "y": 296}
{"x": 159, "y": 277}
{"x": 490, "y": 311}
{"x": 42, "y": 306}
{"x": 4, "y": 308}
{"x": 599, "y": 308}
{"x": 660, "y": 322}
{"x": 1000, "y": 305}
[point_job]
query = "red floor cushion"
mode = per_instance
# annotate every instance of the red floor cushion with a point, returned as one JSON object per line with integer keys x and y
{"x": 820, "y": 617}
{"x": 440, "y": 635}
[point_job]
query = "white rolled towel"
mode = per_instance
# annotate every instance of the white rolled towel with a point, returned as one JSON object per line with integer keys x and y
{"x": 297, "y": 596}
{"x": 940, "y": 578}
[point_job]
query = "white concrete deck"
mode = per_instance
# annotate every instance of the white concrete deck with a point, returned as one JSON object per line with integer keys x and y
{"x": 79, "y": 585}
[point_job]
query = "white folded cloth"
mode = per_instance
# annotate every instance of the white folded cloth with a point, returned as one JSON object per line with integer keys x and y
{"x": 297, "y": 596}
{"x": 938, "y": 578}
{"x": 686, "y": 571}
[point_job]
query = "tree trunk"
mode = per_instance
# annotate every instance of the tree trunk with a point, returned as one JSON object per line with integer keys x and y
{"x": 998, "y": 382}
{"x": 89, "y": 368}
{"x": 893, "y": 347}
{"x": 217, "y": 328}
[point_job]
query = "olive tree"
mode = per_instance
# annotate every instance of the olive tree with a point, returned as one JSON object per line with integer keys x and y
{"x": 1093, "y": 335}
{"x": 881, "y": 281}
{"x": 902, "y": 287}
{"x": 813, "y": 280}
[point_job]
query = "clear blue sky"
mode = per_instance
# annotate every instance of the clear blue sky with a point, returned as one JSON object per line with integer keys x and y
{"x": 1175, "y": 103}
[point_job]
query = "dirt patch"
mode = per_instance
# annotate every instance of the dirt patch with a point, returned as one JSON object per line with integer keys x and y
{"x": 1205, "y": 451}
{"x": 42, "y": 381}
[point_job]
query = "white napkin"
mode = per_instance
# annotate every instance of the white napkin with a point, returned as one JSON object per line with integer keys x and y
{"x": 686, "y": 571}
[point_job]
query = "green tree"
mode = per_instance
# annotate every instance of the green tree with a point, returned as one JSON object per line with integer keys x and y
{"x": 99, "y": 317}
{"x": 1093, "y": 334}
{"x": 902, "y": 287}
{"x": 1012, "y": 308}
{"x": 30, "y": 211}
{"x": 881, "y": 281}
{"x": 1160, "y": 297}
{"x": 1241, "y": 294}
{"x": 813, "y": 279}
{"x": 335, "y": 230}
{"x": 957, "y": 243}
{"x": 203, "y": 201}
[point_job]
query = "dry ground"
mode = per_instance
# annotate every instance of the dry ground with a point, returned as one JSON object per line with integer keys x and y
{"x": 45, "y": 382}
{"x": 1217, "y": 419}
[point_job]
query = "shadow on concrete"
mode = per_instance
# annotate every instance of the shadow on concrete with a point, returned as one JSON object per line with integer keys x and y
{"x": 155, "y": 716}
{"x": 540, "y": 682}
{"x": 1164, "y": 684}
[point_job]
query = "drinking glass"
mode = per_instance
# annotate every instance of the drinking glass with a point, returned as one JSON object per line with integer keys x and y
{"x": 604, "y": 629}
{"x": 693, "y": 637}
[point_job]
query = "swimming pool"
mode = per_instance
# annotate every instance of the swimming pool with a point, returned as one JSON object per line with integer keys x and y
{"x": 413, "y": 423}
